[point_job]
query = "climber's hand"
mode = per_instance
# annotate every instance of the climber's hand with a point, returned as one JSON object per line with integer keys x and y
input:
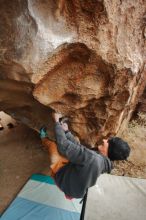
{"x": 56, "y": 116}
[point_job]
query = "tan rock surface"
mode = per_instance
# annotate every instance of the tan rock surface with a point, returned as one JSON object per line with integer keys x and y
{"x": 84, "y": 58}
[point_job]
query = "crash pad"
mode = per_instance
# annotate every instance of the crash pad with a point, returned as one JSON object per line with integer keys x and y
{"x": 41, "y": 199}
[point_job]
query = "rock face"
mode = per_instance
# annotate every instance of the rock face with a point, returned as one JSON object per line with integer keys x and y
{"x": 141, "y": 106}
{"x": 85, "y": 59}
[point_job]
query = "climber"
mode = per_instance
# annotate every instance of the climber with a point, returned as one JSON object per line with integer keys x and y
{"x": 79, "y": 167}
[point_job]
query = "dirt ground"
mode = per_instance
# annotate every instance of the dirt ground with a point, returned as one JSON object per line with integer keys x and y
{"x": 21, "y": 155}
{"x": 135, "y": 135}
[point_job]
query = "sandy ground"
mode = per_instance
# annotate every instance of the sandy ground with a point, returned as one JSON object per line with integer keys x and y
{"x": 21, "y": 155}
{"x": 135, "y": 166}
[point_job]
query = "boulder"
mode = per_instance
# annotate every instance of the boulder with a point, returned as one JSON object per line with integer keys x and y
{"x": 85, "y": 59}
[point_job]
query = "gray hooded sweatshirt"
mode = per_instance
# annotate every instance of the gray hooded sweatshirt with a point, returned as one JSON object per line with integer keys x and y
{"x": 84, "y": 167}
